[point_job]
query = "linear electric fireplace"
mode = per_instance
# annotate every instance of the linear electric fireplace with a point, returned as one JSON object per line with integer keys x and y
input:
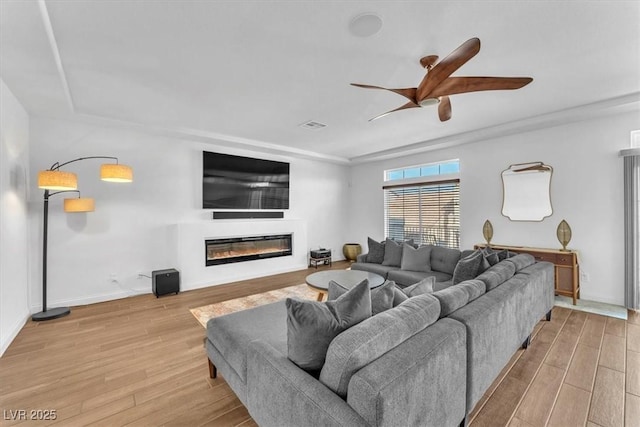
{"x": 237, "y": 249}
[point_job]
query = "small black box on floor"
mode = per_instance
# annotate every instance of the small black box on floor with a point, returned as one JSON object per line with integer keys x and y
{"x": 165, "y": 282}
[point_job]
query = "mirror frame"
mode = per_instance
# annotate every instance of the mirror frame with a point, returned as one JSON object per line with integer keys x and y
{"x": 546, "y": 210}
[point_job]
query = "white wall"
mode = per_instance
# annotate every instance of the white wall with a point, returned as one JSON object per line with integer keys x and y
{"x": 586, "y": 190}
{"x": 133, "y": 227}
{"x": 14, "y": 164}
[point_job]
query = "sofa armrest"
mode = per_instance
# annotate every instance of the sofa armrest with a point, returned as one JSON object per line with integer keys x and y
{"x": 279, "y": 393}
{"x": 361, "y": 258}
{"x": 420, "y": 382}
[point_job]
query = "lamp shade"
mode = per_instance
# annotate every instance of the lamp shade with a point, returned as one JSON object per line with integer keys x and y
{"x": 79, "y": 204}
{"x": 57, "y": 180}
{"x": 116, "y": 173}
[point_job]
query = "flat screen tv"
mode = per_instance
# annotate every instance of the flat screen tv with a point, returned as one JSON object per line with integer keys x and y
{"x": 235, "y": 182}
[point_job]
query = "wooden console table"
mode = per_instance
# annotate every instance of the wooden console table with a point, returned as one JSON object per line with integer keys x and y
{"x": 567, "y": 270}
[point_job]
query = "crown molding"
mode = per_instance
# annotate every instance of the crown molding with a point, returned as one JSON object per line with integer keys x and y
{"x": 617, "y": 105}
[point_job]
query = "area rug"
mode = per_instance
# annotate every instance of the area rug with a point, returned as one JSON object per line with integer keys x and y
{"x": 206, "y": 312}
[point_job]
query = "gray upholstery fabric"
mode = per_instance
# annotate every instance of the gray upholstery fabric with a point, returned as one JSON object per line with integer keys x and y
{"x": 398, "y": 296}
{"x": 416, "y": 259}
{"x": 500, "y": 320}
{"x": 378, "y": 269}
{"x": 312, "y": 325}
{"x": 232, "y": 333}
{"x": 419, "y": 383}
{"x": 280, "y": 394}
{"x": 497, "y": 274}
{"x": 467, "y": 268}
{"x": 392, "y": 253}
{"x": 406, "y": 278}
{"x": 456, "y": 296}
{"x": 444, "y": 260}
{"x": 227, "y": 372}
{"x": 491, "y": 256}
{"x": 376, "y": 251}
{"x": 382, "y": 297}
{"x": 425, "y": 286}
{"x": 521, "y": 261}
{"x": 362, "y": 257}
{"x": 360, "y": 345}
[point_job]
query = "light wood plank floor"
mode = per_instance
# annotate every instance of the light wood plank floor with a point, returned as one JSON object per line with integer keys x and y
{"x": 141, "y": 361}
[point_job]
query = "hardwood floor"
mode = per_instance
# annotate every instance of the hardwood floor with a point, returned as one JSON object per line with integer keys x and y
{"x": 141, "y": 361}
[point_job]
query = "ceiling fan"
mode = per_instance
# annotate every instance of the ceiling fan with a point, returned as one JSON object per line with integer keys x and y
{"x": 437, "y": 85}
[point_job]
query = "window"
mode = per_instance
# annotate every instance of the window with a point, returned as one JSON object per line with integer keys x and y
{"x": 423, "y": 203}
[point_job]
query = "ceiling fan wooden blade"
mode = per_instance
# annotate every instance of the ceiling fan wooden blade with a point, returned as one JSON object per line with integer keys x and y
{"x": 448, "y": 65}
{"x": 410, "y": 104}
{"x": 444, "y": 109}
{"x": 454, "y": 85}
{"x": 409, "y": 93}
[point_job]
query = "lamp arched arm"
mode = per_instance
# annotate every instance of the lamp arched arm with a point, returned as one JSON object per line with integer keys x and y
{"x": 58, "y": 165}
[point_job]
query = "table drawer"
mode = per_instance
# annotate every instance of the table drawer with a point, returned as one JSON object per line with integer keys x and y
{"x": 541, "y": 256}
{"x": 565, "y": 259}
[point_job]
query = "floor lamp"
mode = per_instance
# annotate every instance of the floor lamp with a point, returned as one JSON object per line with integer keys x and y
{"x": 53, "y": 179}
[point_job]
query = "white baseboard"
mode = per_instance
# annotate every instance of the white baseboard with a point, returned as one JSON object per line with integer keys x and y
{"x": 248, "y": 276}
{"x": 91, "y": 300}
{"x": 14, "y": 331}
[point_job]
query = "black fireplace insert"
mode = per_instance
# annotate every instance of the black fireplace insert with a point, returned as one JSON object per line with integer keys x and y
{"x": 238, "y": 249}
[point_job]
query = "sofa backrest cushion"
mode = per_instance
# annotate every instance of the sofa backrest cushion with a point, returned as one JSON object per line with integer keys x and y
{"x": 360, "y": 345}
{"x": 521, "y": 261}
{"x": 392, "y": 253}
{"x": 497, "y": 274}
{"x": 456, "y": 296}
{"x": 312, "y": 325}
{"x": 444, "y": 259}
{"x": 416, "y": 259}
{"x": 382, "y": 297}
{"x": 425, "y": 286}
{"x": 376, "y": 251}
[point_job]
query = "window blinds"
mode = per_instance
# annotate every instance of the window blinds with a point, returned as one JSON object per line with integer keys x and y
{"x": 428, "y": 213}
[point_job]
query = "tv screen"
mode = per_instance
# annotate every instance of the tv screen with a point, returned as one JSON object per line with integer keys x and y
{"x": 235, "y": 182}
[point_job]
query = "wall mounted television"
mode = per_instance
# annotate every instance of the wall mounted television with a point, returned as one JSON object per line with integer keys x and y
{"x": 236, "y": 182}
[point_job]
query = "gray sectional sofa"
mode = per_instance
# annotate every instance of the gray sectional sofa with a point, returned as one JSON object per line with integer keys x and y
{"x": 441, "y": 265}
{"x": 426, "y": 361}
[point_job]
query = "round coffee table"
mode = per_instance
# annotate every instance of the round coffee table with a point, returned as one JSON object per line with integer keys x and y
{"x": 347, "y": 278}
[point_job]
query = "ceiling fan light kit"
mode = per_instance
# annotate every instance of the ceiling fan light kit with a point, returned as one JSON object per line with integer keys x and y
{"x": 437, "y": 85}
{"x": 365, "y": 25}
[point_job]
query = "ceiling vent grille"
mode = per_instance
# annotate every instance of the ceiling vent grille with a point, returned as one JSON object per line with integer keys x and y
{"x": 313, "y": 125}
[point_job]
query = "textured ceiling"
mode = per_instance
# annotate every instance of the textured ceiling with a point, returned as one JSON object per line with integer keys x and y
{"x": 251, "y": 72}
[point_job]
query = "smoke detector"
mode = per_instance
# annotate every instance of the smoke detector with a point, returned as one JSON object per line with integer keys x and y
{"x": 313, "y": 125}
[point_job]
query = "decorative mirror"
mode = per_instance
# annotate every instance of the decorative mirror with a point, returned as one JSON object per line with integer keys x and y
{"x": 526, "y": 189}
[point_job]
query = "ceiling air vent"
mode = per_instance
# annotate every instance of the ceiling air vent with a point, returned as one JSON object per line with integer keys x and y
{"x": 313, "y": 125}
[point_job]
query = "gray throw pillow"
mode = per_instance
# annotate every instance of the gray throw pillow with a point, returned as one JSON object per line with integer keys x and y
{"x": 467, "y": 268}
{"x": 491, "y": 256}
{"x": 425, "y": 286}
{"x": 416, "y": 259}
{"x": 392, "y": 253}
{"x": 376, "y": 251}
{"x": 311, "y": 325}
{"x": 382, "y": 297}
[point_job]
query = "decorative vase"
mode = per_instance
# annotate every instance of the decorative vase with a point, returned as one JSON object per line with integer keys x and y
{"x": 564, "y": 234}
{"x": 351, "y": 251}
{"x": 487, "y": 231}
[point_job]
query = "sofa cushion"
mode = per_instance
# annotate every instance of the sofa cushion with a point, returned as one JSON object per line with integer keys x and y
{"x": 312, "y": 325}
{"x": 497, "y": 274}
{"x": 425, "y": 286}
{"x": 231, "y": 334}
{"x": 444, "y": 260}
{"x": 456, "y": 296}
{"x": 521, "y": 261}
{"x": 407, "y": 278}
{"x": 491, "y": 256}
{"x": 382, "y": 297}
{"x": 379, "y": 269}
{"x": 392, "y": 253}
{"x": 376, "y": 251}
{"x": 416, "y": 259}
{"x": 505, "y": 253}
{"x": 467, "y": 268}
{"x": 370, "y": 339}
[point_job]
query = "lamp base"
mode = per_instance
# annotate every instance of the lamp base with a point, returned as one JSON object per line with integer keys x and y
{"x": 50, "y": 314}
